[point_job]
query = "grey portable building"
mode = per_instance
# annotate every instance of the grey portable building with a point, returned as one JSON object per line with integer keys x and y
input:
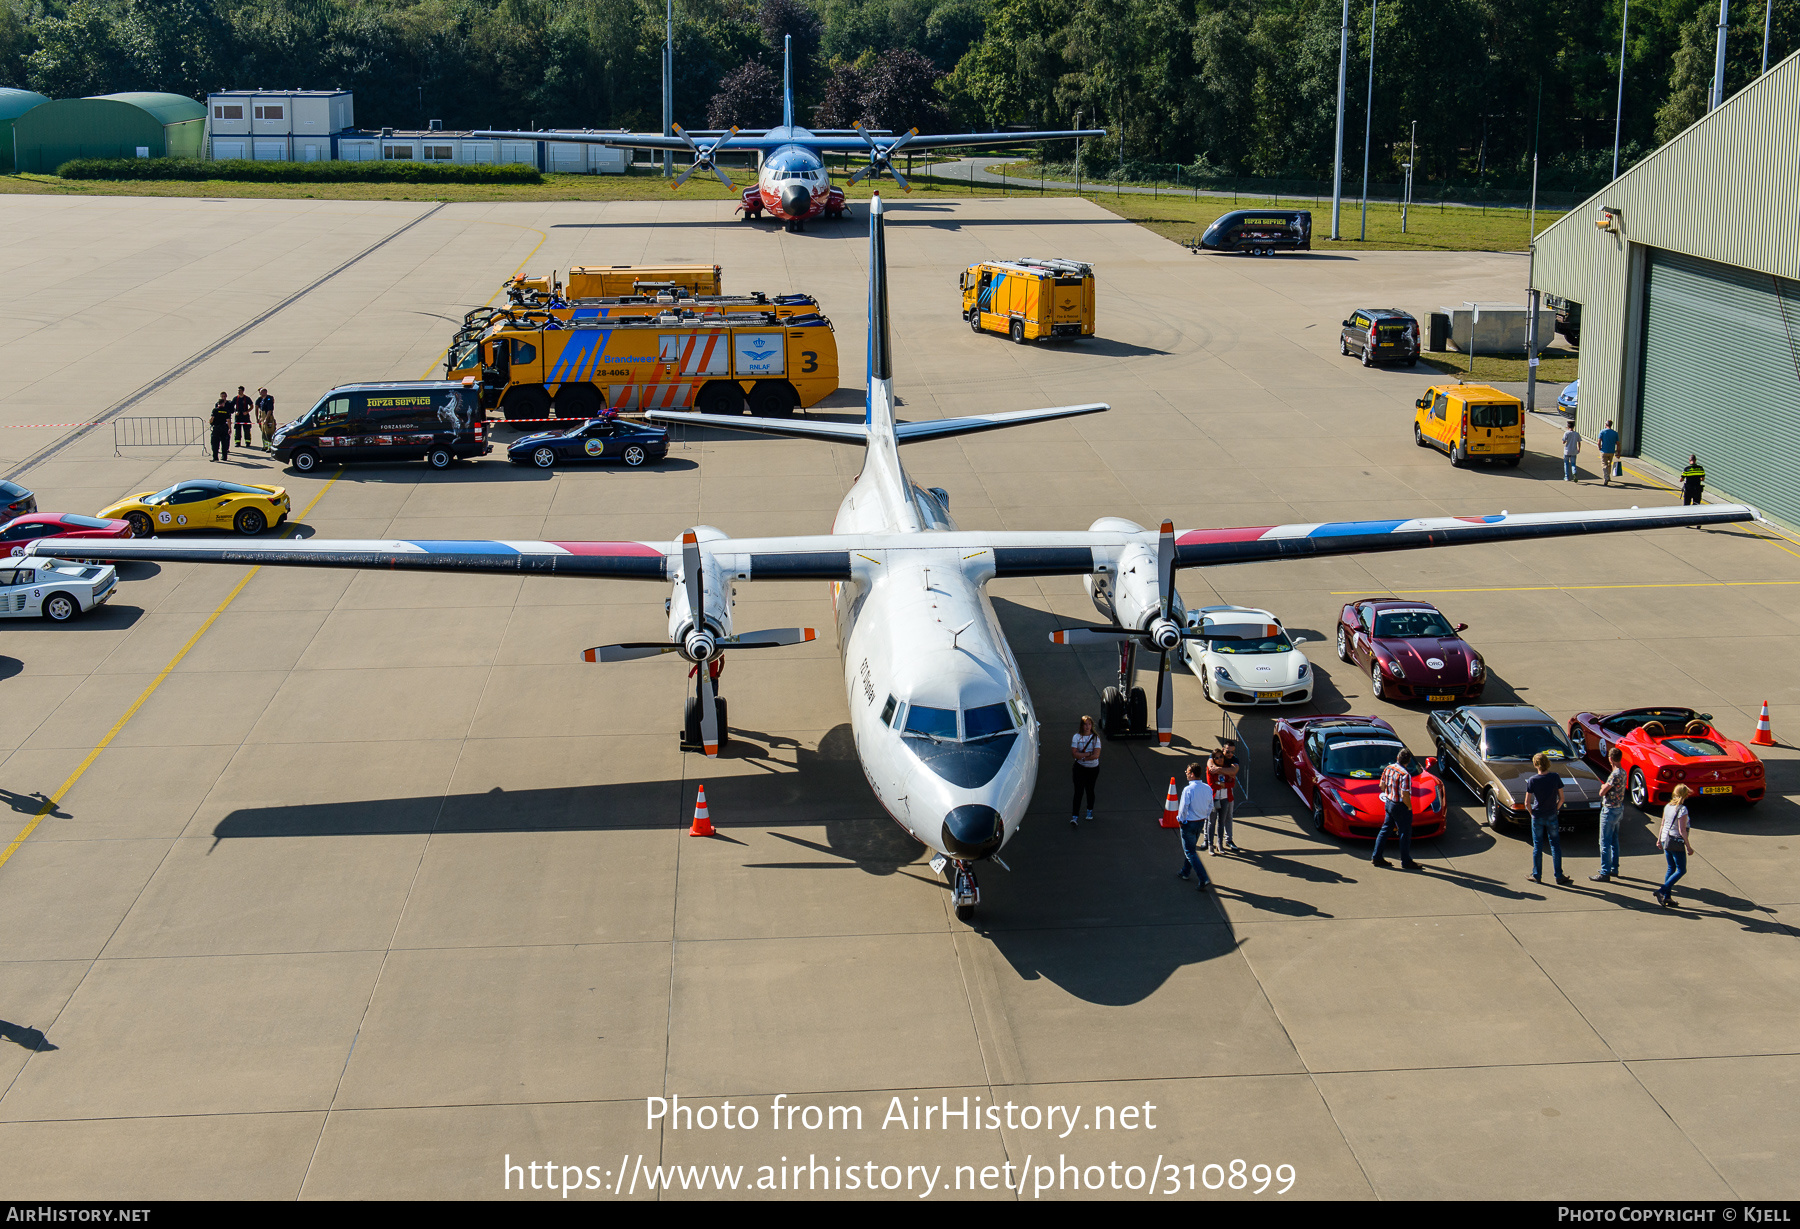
{"x": 137, "y": 124}
{"x": 1687, "y": 269}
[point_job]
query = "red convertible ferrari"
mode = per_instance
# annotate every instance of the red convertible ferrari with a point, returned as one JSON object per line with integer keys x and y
{"x": 1410, "y": 651}
{"x": 1334, "y": 764}
{"x": 1666, "y": 747}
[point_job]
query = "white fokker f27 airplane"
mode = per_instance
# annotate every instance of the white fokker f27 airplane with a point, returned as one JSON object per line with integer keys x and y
{"x": 943, "y": 725}
{"x": 791, "y": 183}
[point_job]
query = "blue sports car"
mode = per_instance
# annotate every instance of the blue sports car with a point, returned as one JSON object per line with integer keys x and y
{"x": 598, "y": 439}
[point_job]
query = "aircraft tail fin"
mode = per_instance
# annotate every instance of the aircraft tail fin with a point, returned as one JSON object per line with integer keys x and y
{"x": 787, "y": 81}
{"x": 881, "y": 355}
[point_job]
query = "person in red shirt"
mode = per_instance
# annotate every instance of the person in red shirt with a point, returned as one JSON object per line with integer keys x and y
{"x": 241, "y": 405}
{"x": 1221, "y": 778}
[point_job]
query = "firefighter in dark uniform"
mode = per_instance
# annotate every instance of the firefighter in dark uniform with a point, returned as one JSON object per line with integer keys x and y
{"x": 1693, "y": 481}
{"x": 221, "y": 429}
{"x": 241, "y": 406}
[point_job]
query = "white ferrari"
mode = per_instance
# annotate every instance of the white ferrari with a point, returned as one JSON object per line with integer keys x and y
{"x": 54, "y": 589}
{"x": 1255, "y": 661}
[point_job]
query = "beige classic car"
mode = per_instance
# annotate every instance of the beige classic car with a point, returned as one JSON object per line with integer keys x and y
{"x": 1488, "y": 747}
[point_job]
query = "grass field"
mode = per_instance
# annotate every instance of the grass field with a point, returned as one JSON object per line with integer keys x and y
{"x": 1177, "y": 216}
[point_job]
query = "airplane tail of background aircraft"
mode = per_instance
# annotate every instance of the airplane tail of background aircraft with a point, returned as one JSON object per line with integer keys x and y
{"x": 787, "y": 81}
{"x": 878, "y": 411}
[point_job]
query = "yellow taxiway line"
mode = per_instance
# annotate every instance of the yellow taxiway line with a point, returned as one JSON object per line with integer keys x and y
{"x": 50, "y": 803}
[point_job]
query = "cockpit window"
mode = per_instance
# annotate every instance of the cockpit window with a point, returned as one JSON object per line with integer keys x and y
{"x": 931, "y": 722}
{"x": 986, "y": 721}
{"x": 887, "y": 711}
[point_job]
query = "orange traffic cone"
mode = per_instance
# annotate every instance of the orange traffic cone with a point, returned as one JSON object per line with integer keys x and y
{"x": 702, "y": 822}
{"x": 1764, "y": 736}
{"x": 1171, "y": 806}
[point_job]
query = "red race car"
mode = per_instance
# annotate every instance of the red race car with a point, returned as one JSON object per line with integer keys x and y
{"x": 1334, "y": 764}
{"x": 19, "y": 531}
{"x": 1666, "y": 747}
{"x": 1410, "y": 651}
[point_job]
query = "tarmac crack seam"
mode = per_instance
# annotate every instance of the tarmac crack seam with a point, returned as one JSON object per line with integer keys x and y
{"x": 51, "y": 803}
{"x": 200, "y": 356}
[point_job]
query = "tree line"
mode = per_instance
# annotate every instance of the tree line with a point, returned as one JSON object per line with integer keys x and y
{"x": 1222, "y": 87}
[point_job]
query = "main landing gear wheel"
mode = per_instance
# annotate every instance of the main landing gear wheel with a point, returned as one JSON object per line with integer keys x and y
{"x": 691, "y": 722}
{"x": 1137, "y": 709}
{"x": 1112, "y": 713}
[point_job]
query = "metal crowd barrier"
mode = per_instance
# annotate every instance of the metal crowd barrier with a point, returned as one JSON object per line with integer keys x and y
{"x": 158, "y": 433}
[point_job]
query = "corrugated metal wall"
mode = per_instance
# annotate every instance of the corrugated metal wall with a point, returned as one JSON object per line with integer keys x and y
{"x": 1722, "y": 377}
{"x": 1727, "y": 190}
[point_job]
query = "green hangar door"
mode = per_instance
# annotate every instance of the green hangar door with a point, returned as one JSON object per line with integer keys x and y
{"x": 1721, "y": 378}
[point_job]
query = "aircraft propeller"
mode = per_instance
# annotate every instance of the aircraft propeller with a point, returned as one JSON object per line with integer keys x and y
{"x": 1160, "y": 634}
{"x": 881, "y": 160}
{"x": 699, "y": 642}
{"x": 704, "y": 158}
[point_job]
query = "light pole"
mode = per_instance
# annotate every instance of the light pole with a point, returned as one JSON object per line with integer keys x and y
{"x": 1619, "y": 108}
{"x": 1337, "y": 162}
{"x": 669, "y": 90}
{"x": 1368, "y": 122}
{"x": 1768, "y": 12}
{"x": 1718, "y": 90}
{"x": 1412, "y": 156}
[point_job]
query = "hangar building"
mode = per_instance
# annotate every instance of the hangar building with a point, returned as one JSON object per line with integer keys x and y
{"x": 1686, "y": 268}
{"x": 13, "y": 104}
{"x": 133, "y": 125}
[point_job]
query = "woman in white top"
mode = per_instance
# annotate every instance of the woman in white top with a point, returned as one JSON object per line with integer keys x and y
{"x": 1084, "y": 748}
{"x": 1673, "y": 841}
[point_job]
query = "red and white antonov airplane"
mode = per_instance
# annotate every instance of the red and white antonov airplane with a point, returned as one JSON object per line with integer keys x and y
{"x": 791, "y": 182}
{"x": 943, "y": 724}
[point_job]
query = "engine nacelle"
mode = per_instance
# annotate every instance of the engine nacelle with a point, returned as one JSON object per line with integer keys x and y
{"x": 1130, "y": 595}
{"x": 699, "y": 638}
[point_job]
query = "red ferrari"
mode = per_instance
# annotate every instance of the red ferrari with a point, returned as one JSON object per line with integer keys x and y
{"x": 19, "y": 531}
{"x": 1666, "y": 747}
{"x": 1334, "y": 764}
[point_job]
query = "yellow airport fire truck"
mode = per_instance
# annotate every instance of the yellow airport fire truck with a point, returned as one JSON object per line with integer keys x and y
{"x": 639, "y": 306}
{"x": 1030, "y": 298}
{"x": 604, "y": 281}
{"x": 533, "y": 370}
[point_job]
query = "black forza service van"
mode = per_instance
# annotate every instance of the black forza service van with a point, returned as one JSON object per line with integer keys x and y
{"x": 1260, "y": 232}
{"x": 434, "y": 420}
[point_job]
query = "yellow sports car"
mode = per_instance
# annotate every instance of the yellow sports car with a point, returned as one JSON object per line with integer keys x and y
{"x": 205, "y": 503}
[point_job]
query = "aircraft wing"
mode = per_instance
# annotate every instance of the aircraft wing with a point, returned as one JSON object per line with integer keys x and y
{"x": 835, "y": 556}
{"x": 621, "y": 140}
{"x": 954, "y": 139}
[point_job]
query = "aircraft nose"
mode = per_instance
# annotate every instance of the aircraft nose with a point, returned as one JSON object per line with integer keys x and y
{"x": 973, "y": 831}
{"x": 795, "y": 198}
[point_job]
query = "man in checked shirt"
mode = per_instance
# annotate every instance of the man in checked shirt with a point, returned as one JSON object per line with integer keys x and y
{"x": 1396, "y": 792}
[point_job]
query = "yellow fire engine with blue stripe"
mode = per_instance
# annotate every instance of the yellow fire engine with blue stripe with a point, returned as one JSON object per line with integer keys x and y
{"x": 717, "y": 364}
{"x": 1030, "y": 298}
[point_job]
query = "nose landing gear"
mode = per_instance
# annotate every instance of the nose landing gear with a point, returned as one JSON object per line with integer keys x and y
{"x": 959, "y": 873}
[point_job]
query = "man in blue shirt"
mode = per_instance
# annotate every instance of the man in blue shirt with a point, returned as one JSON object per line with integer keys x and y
{"x": 1196, "y": 808}
{"x": 1609, "y": 452}
{"x": 1544, "y": 797}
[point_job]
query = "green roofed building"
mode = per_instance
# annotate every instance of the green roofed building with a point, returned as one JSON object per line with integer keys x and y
{"x": 1687, "y": 270}
{"x": 134, "y": 125}
{"x": 13, "y": 104}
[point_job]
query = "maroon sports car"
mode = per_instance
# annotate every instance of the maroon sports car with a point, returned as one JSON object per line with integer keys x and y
{"x": 1411, "y": 651}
